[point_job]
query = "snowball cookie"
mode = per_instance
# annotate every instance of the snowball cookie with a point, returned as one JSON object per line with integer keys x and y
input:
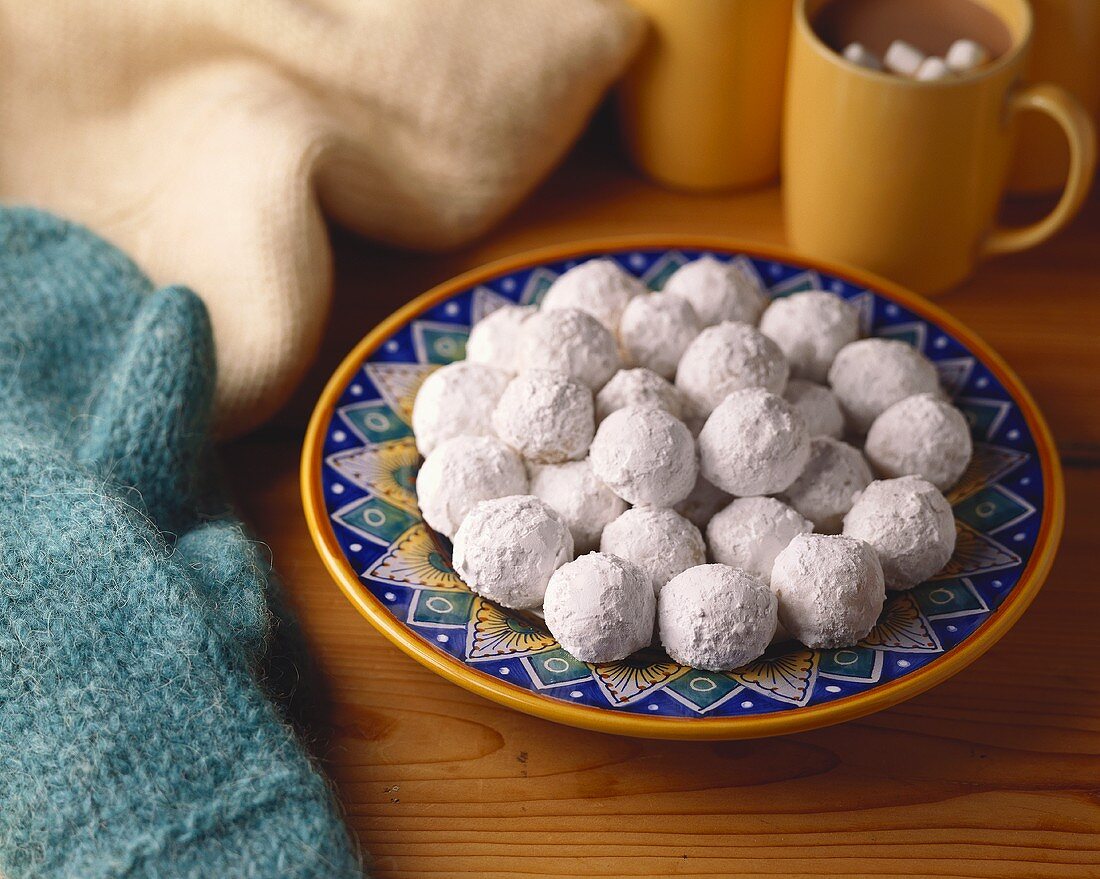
{"x": 655, "y": 330}
{"x": 546, "y": 417}
{"x": 718, "y": 291}
{"x": 909, "y": 524}
{"x": 637, "y": 387}
{"x": 645, "y": 456}
{"x": 457, "y": 399}
{"x": 818, "y": 407}
{"x": 726, "y": 358}
{"x": 495, "y": 338}
{"x": 460, "y": 473}
{"x": 830, "y": 589}
{"x": 871, "y": 375}
{"x": 716, "y": 617}
{"x": 599, "y": 287}
{"x": 600, "y": 607}
{"x": 753, "y": 443}
{"x": 507, "y": 548}
{"x": 751, "y": 531}
{"x": 922, "y": 435}
{"x": 829, "y": 484}
{"x": 584, "y": 502}
{"x": 660, "y": 542}
{"x": 569, "y": 340}
{"x": 810, "y": 328}
{"x": 705, "y": 500}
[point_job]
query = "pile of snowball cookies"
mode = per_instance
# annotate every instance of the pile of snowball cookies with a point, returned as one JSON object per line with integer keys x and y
{"x": 589, "y": 456}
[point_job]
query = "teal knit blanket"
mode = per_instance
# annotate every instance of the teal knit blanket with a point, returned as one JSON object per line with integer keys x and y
{"x": 141, "y": 733}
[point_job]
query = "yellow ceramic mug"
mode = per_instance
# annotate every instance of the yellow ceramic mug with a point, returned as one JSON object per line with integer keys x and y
{"x": 701, "y": 105}
{"x": 904, "y": 177}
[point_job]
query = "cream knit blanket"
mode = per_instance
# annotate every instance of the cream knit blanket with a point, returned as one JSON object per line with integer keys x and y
{"x": 208, "y": 137}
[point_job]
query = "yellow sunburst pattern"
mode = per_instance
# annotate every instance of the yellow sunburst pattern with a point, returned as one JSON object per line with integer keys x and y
{"x": 902, "y": 627}
{"x": 987, "y": 465}
{"x": 398, "y": 384}
{"x": 788, "y": 677}
{"x": 416, "y": 559}
{"x": 628, "y": 680}
{"x": 495, "y": 633}
{"x": 386, "y": 469}
{"x": 976, "y": 553}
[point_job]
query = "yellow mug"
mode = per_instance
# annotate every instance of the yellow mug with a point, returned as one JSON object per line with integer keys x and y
{"x": 1064, "y": 50}
{"x": 701, "y": 105}
{"x": 904, "y": 177}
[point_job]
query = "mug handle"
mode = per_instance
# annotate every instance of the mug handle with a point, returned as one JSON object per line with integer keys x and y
{"x": 1067, "y": 111}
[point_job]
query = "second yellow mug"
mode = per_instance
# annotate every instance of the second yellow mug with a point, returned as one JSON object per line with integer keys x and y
{"x": 904, "y": 177}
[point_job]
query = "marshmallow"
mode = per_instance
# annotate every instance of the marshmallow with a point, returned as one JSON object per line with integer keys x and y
{"x": 752, "y": 531}
{"x": 460, "y": 473}
{"x": 909, "y": 525}
{"x": 902, "y": 58}
{"x": 859, "y": 54}
{"x": 570, "y": 341}
{"x": 661, "y": 542}
{"x": 582, "y": 500}
{"x": 830, "y": 589}
{"x": 830, "y": 483}
{"x": 818, "y": 407}
{"x": 600, "y": 608}
{"x": 753, "y": 443}
{"x": 965, "y": 55}
{"x": 932, "y": 69}
{"x": 456, "y": 400}
{"x": 655, "y": 331}
{"x": 495, "y": 339}
{"x": 718, "y": 291}
{"x": 638, "y": 387}
{"x": 645, "y": 456}
{"x": 716, "y": 617}
{"x": 599, "y": 287}
{"x": 810, "y": 328}
{"x": 507, "y": 549}
{"x": 871, "y": 375}
{"x": 546, "y": 417}
{"x": 728, "y": 357}
{"x": 922, "y": 435}
{"x": 700, "y": 506}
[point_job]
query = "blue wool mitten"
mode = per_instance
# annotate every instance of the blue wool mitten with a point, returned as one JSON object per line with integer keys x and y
{"x": 137, "y": 737}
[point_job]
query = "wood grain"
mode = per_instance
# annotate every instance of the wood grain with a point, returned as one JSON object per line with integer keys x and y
{"x": 996, "y": 773}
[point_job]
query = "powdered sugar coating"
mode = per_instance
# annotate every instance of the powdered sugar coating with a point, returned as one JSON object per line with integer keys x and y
{"x": 718, "y": 291}
{"x": 716, "y": 617}
{"x": 507, "y": 549}
{"x": 637, "y": 387}
{"x": 582, "y": 499}
{"x": 829, "y": 484}
{"x": 751, "y": 531}
{"x": 570, "y": 341}
{"x": 495, "y": 339}
{"x": 645, "y": 456}
{"x": 753, "y": 443}
{"x": 599, "y": 287}
{"x": 704, "y": 501}
{"x": 810, "y": 328}
{"x": 909, "y": 524}
{"x": 830, "y": 589}
{"x": 460, "y": 473}
{"x": 725, "y": 358}
{"x": 600, "y": 608}
{"x": 818, "y": 407}
{"x": 545, "y": 416}
{"x": 655, "y": 330}
{"x": 456, "y": 400}
{"x": 659, "y": 541}
{"x": 871, "y": 375}
{"x": 922, "y": 435}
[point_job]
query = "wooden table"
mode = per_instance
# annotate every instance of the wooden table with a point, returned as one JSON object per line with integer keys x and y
{"x": 995, "y": 773}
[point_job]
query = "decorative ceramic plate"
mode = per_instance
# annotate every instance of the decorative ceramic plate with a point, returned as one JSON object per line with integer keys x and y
{"x": 358, "y": 482}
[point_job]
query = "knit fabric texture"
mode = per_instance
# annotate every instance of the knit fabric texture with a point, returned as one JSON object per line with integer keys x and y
{"x": 138, "y": 733}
